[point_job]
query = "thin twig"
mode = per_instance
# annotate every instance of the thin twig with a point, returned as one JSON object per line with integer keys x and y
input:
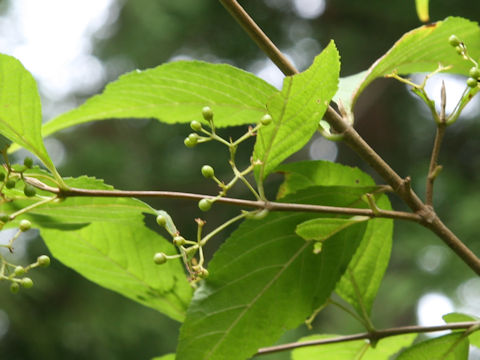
{"x": 372, "y": 336}
{"x": 358, "y": 144}
{"x": 268, "y": 205}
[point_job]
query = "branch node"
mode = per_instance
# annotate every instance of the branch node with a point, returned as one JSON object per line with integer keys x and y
{"x": 427, "y": 214}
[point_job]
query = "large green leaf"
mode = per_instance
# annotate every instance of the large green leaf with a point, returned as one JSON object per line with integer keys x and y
{"x": 20, "y": 109}
{"x": 359, "y": 349}
{"x": 359, "y": 285}
{"x": 265, "y": 280}
{"x": 420, "y": 50}
{"x": 448, "y": 347}
{"x": 119, "y": 256}
{"x": 175, "y": 93}
{"x": 474, "y": 337}
{"x": 76, "y": 211}
{"x": 296, "y": 111}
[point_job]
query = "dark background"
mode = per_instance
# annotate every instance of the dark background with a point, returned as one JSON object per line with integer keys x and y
{"x": 66, "y": 317}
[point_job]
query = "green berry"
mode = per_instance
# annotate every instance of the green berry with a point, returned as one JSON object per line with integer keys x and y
{"x": 475, "y": 72}
{"x": 459, "y": 50}
{"x": 195, "y": 125}
{"x": 205, "y": 204}
{"x": 160, "y": 258}
{"x": 25, "y": 225}
{"x": 28, "y": 162}
{"x": 189, "y": 143}
{"x": 161, "y": 220}
{"x": 2, "y": 177}
{"x": 266, "y": 119}
{"x": 19, "y": 270}
{"x": 191, "y": 140}
{"x": 454, "y": 40}
{"x": 43, "y": 261}
{"x": 207, "y": 171}
{"x": 207, "y": 113}
{"x": 14, "y": 287}
{"x": 471, "y": 82}
{"x": 203, "y": 273}
{"x": 178, "y": 240}
{"x": 4, "y": 218}
{"x": 26, "y": 282}
{"x": 29, "y": 190}
{"x": 10, "y": 184}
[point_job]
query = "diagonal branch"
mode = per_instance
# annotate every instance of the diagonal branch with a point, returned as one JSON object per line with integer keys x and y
{"x": 351, "y": 137}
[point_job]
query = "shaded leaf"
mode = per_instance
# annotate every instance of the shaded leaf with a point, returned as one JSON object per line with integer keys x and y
{"x": 359, "y": 349}
{"x": 448, "y": 347}
{"x": 20, "y": 109}
{"x": 265, "y": 280}
{"x": 176, "y": 92}
{"x": 296, "y": 111}
{"x": 119, "y": 257}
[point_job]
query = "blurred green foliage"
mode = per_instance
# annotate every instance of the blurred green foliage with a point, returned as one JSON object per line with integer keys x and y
{"x": 66, "y": 317}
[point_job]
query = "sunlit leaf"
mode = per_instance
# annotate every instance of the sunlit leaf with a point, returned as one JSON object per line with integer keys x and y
{"x": 323, "y": 228}
{"x": 359, "y": 349}
{"x": 119, "y": 257}
{"x": 474, "y": 337}
{"x": 296, "y": 111}
{"x": 448, "y": 347}
{"x": 20, "y": 109}
{"x": 176, "y": 93}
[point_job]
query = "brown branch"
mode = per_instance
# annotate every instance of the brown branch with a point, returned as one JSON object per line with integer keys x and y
{"x": 355, "y": 141}
{"x": 372, "y": 336}
{"x": 269, "y": 205}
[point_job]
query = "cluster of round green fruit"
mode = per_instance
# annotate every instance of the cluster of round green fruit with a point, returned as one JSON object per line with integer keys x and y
{"x": 474, "y": 73}
{"x": 25, "y": 282}
{"x": 10, "y": 179}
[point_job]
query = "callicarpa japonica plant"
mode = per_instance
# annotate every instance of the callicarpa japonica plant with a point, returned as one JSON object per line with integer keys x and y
{"x": 323, "y": 241}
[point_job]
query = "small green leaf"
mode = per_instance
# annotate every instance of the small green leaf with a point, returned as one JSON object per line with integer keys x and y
{"x": 323, "y": 228}
{"x": 296, "y": 111}
{"x": 118, "y": 256}
{"x": 165, "y": 357}
{"x": 360, "y": 349}
{"x": 265, "y": 280}
{"x": 474, "y": 337}
{"x": 420, "y": 50}
{"x": 175, "y": 93}
{"x": 422, "y": 10}
{"x": 20, "y": 109}
{"x": 448, "y": 347}
{"x": 303, "y": 174}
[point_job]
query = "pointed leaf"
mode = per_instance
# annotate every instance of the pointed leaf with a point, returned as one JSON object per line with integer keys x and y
{"x": 421, "y": 50}
{"x": 323, "y": 228}
{"x": 296, "y": 111}
{"x": 265, "y": 280}
{"x": 20, "y": 109}
{"x": 119, "y": 256}
{"x": 176, "y": 93}
{"x": 359, "y": 349}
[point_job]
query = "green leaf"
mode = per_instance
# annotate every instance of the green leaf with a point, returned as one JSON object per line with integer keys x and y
{"x": 296, "y": 111}
{"x": 165, "y": 357}
{"x": 20, "y": 109}
{"x": 119, "y": 257}
{"x": 448, "y": 347}
{"x": 359, "y": 349}
{"x": 359, "y": 285}
{"x": 75, "y": 211}
{"x": 458, "y": 317}
{"x": 323, "y": 228}
{"x": 304, "y": 174}
{"x": 422, "y": 10}
{"x": 176, "y": 93}
{"x": 420, "y": 50}
{"x": 265, "y": 280}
